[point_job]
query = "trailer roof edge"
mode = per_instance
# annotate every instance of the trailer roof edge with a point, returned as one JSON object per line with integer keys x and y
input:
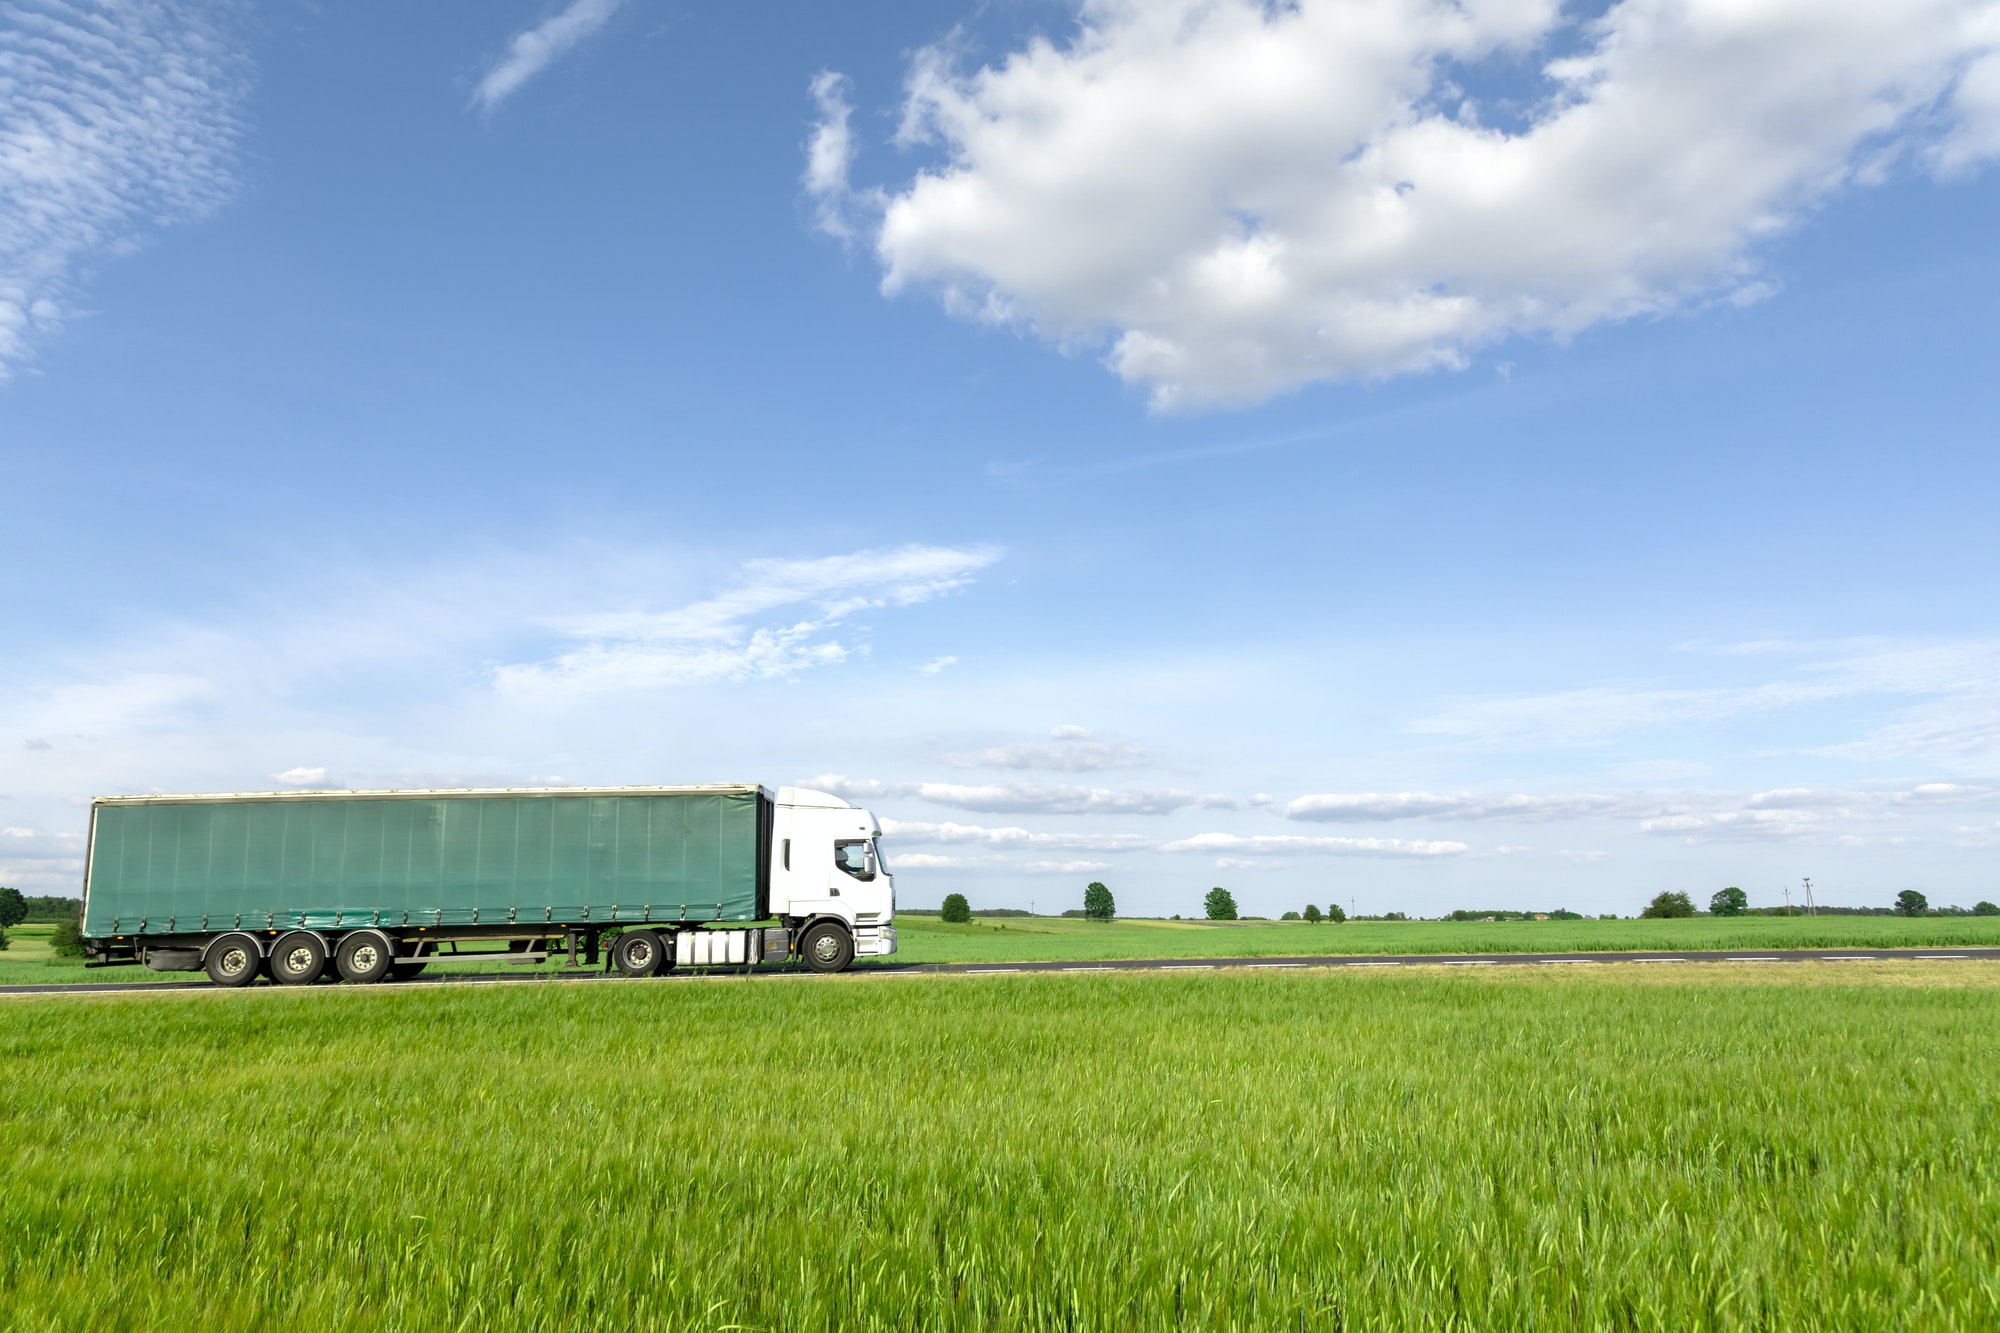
{"x": 428, "y": 793}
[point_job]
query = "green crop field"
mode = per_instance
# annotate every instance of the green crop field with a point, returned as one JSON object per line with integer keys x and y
{"x": 1032, "y": 939}
{"x": 1700, "y": 1147}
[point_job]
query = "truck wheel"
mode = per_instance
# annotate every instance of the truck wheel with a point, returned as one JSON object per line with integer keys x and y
{"x": 638, "y": 953}
{"x": 365, "y": 957}
{"x": 826, "y": 947}
{"x": 298, "y": 958}
{"x": 405, "y": 971}
{"x": 233, "y": 960}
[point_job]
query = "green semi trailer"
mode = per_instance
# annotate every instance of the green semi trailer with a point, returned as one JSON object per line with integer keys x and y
{"x": 376, "y": 885}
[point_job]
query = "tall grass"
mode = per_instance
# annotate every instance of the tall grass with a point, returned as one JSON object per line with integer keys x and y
{"x": 1215, "y": 1150}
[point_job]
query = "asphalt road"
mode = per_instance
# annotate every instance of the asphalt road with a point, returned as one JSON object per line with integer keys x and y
{"x": 196, "y": 982}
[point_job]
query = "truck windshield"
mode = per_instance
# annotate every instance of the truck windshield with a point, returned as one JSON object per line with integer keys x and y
{"x": 851, "y": 855}
{"x": 881, "y": 861}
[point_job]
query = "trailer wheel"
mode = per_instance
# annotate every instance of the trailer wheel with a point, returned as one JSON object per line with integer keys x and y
{"x": 638, "y": 953}
{"x": 365, "y": 957}
{"x": 826, "y": 947}
{"x": 233, "y": 960}
{"x": 298, "y": 959}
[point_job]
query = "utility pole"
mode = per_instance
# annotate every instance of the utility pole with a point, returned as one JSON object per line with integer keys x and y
{"x": 1788, "y": 900}
{"x": 1811, "y": 909}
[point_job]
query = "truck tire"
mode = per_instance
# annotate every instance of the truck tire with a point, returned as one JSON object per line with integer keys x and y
{"x": 298, "y": 959}
{"x": 827, "y": 947}
{"x": 638, "y": 953}
{"x": 233, "y": 960}
{"x": 364, "y": 957}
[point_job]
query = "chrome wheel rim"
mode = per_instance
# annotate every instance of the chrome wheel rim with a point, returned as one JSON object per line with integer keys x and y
{"x": 298, "y": 960}
{"x": 826, "y": 948}
{"x": 639, "y": 953}
{"x": 365, "y": 958}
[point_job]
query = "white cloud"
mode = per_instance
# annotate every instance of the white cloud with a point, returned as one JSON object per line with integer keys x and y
{"x": 1069, "y": 749}
{"x": 1243, "y": 197}
{"x": 937, "y": 664}
{"x": 1009, "y": 837}
{"x": 717, "y": 639}
{"x": 925, "y": 861}
{"x": 1064, "y": 867}
{"x": 830, "y": 156}
{"x": 38, "y": 862}
{"x": 1738, "y": 826}
{"x": 301, "y": 777}
{"x": 1231, "y": 842}
{"x": 535, "y": 49}
{"x": 115, "y": 119}
{"x": 997, "y": 798}
{"x": 1364, "y": 807}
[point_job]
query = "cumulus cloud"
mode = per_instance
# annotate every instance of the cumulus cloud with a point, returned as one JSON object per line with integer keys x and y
{"x": 301, "y": 777}
{"x": 998, "y": 798}
{"x": 40, "y": 862}
{"x": 1367, "y": 807}
{"x": 1282, "y": 843}
{"x": 1069, "y": 749}
{"x": 1009, "y": 837}
{"x": 720, "y": 638}
{"x": 535, "y": 49}
{"x": 115, "y": 119}
{"x": 1064, "y": 867}
{"x": 1782, "y": 825}
{"x": 1240, "y": 197}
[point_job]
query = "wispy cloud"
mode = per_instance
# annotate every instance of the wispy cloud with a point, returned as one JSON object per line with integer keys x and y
{"x": 1069, "y": 749}
{"x": 719, "y": 638}
{"x": 1371, "y": 806}
{"x": 1958, "y": 684}
{"x": 1008, "y": 837}
{"x": 1006, "y": 798}
{"x": 535, "y": 49}
{"x": 1281, "y": 843}
{"x": 115, "y": 120}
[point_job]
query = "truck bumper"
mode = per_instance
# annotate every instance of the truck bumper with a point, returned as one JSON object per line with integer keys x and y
{"x": 874, "y": 941}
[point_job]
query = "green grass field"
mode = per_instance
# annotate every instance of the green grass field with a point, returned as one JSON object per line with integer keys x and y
{"x": 1018, "y": 939}
{"x": 1708, "y": 1146}
{"x": 924, "y": 939}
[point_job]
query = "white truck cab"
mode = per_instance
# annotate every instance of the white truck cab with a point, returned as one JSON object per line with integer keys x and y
{"x": 829, "y": 881}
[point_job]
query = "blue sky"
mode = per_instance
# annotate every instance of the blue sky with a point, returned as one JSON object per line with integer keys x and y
{"x": 1416, "y": 455}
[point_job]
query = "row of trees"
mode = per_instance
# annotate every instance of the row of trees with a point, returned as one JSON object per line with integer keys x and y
{"x": 1734, "y": 902}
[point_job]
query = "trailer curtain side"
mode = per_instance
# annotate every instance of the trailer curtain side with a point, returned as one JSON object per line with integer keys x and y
{"x": 427, "y": 860}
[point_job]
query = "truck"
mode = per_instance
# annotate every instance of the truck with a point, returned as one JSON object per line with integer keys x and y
{"x": 372, "y": 886}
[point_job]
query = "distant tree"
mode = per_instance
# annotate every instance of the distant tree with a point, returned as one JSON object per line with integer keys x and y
{"x": 956, "y": 908}
{"x": 1668, "y": 905}
{"x": 1335, "y": 913}
{"x": 1219, "y": 904}
{"x": 3, "y": 937}
{"x": 1729, "y": 902}
{"x": 67, "y": 938}
{"x": 1312, "y": 914}
{"x": 1986, "y": 909}
{"x": 13, "y": 908}
{"x": 1097, "y": 902}
{"x": 1911, "y": 903}
{"x": 1290, "y": 916}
